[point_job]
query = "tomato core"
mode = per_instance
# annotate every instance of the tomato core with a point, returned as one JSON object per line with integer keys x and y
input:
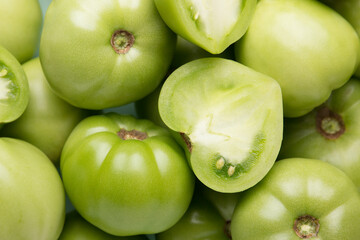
{"x": 227, "y": 228}
{"x": 187, "y": 141}
{"x": 122, "y": 41}
{"x": 329, "y": 124}
{"x": 132, "y": 134}
{"x": 306, "y": 227}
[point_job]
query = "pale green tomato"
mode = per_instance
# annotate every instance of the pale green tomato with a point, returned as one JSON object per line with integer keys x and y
{"x": 228, "y": 118}
{"x": 20, "y": 24}
{"x": 102, "y": 54}
{"x": 32, "y": 198}
{"x": 48, "y": 120}
{"x": 304, "y": 45}
{"x": 210, "y": 24}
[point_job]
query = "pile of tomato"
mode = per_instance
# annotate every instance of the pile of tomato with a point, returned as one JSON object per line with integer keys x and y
{"x": 244, "y": 123}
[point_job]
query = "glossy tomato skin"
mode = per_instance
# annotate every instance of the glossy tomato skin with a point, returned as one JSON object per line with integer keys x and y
{"x": 330, "y": 132}
{"x": 20, "y": 24}
{"x": 14, "y": 87}
{"x": 126, "y": 182}
{"x": 31, "y": 193}
{"x": 77, "y": 228}
{"x": 297, "y": 188}
{"x": 104, "y": 54}
{"x": 304, "y": 45}
{"x": 48, "y": 120}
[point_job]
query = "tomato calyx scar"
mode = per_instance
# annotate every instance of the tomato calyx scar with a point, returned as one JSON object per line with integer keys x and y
{"x": 187, "y": 141}
{"x": 329, "y": 124}
{"x": 132, "y": 134}
{"x": 122, "y": 41}
{"x": 306, "y": 227}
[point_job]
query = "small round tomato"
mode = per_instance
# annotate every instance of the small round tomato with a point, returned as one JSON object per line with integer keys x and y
{"x": 20, "y": 24}
{"x": 299, "y": 199}
{"x": 102, "y": 54}
{"x": 304, "y": 45}
{"x": 330, "y": 132}
{"x": 14, "y": 87}
{"x": 213, "y": 25}
{"x": 32, "y": 198}
{"x": 47, "y": 120}
{"x": 228, "y": 118}
{"x": 77, "y": 228}
{"x": 126, "y": 176}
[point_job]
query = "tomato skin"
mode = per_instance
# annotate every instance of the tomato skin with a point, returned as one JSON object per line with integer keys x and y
{"x": 31, "y": 193}
{"x": 299, "y": 187}
{"x": 80, "y": 54}
{"x": 124, "y": 187}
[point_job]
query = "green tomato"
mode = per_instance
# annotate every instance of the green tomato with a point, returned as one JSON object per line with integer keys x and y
{"x": 201, "y": 221}
{"x": 48, "y": 120}
{"x": 31, "y": 193}
{"x": 77, "y": 228}
{"x": 349, "y": 9}
{"x": 20, "y": 24}
{"x": 229, "y": 118}
{"x": 330, "y": 133}
{"x": 126, "y": 176}
{"x": 102, "y": 54}
{"x": 304, "y": 45}
{"x": 213, "y": 25}
{"x": 299, "y": 199}
{"x": 14, "y": 88}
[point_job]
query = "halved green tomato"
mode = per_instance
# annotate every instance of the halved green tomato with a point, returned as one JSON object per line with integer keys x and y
{"x": 229, "y": 118}
{"x": 210, "y": 24}
{"x": 14, "y": 88}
